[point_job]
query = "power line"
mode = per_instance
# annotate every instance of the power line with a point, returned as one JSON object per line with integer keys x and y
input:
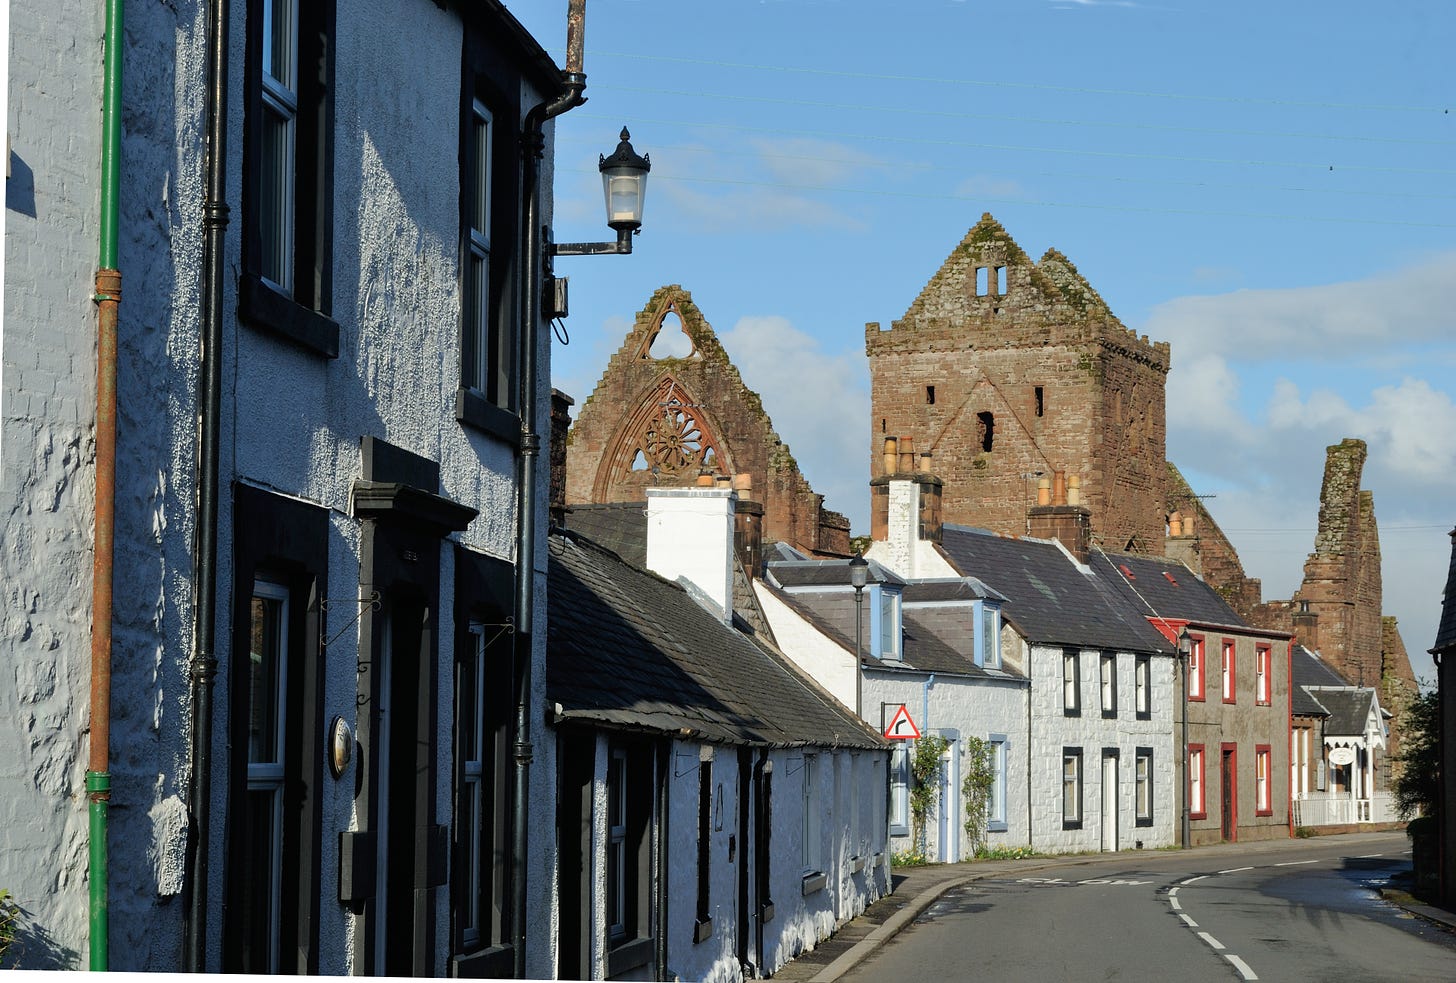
{"x": 1030, "y": 86}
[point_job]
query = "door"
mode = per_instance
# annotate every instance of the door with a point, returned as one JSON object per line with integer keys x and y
{"x": 1228, "y": 793}
{"x": 1109, "y": 800}
{"x": 950, "y": 782}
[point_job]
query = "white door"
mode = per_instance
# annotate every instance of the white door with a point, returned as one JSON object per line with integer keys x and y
{"x": 1109, "y": 802}
{"x": 950, "y": 783}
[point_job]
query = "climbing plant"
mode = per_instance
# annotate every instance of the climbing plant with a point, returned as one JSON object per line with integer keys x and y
{"x": 976, "y": 789}
{"x": 9, "y": 916}
{"x": 924, "y": 772}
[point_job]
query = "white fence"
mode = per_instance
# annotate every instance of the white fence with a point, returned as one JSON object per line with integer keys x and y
{"x": 1342, "y": 810}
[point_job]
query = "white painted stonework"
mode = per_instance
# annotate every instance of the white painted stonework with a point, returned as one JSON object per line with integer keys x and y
{"x": 690, "y": 535}
{"x": 820, "y": 657}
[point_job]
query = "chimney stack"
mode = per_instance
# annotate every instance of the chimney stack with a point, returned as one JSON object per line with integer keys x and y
{"x": 690, "y": 535}
{"x": 1065, "y": 519}
{"x": 560, "y": 424}
{"x": 905, "y": 506}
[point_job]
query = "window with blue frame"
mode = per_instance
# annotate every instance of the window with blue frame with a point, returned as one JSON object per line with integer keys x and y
{"x": 987, "y": 647}
{"x": 884, "y": 622}
{"x": 996, "y": 808}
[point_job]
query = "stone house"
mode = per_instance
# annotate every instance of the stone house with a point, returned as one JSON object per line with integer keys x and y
{"x": 1236, "y": 770}
{"x": 731, "y": 814}
{"x": 310, "y": 639}
{"x": 929, "y": 649}
{"x": 1101, "y": 697}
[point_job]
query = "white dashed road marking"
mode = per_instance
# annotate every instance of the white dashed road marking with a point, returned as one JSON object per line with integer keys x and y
{"x": 1211, "y": 940}
{"x": 1241, "y": 966}
{"x": 1296, "y": 863}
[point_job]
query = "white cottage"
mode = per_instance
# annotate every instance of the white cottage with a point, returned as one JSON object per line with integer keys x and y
{"x": 720, "y": 813}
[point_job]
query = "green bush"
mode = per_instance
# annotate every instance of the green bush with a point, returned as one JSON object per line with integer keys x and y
{"x": 9, "y": 917}
{"x": 1005, "y": 853}
{"x": 1303, "y": 832}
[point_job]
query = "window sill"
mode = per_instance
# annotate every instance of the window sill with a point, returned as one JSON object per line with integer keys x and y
{"x": 1263, "y": 813}
{"x": 1262, "y": 703}
{"x": 856, "y": 864}
{"x": 899, "y": 830}
{"x": 1142, "y": 822}
{"x": 490, "y": 963}
{"x": 702, "y": 930}
{"x": 1109, "y": 714}
{"x": 766, "y": 912}
{"x": 996, "y": 827}
{"x": 473, "y": 410}
{"x": 813, "y": 883}
{"x": 1145, "y": 715}
{"x": 629, "y": 956}
{"x": 265, "y": 308}
{"x": 1071, "y": 824}
{"x": 1200, "y": 816}
{"x": 1071, "y": 712}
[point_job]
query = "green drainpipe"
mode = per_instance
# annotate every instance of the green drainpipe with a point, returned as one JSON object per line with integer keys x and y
{"x": 108, "y": 299}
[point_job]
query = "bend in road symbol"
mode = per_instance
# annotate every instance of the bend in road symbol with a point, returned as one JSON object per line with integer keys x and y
{"x": 901, "y": 727}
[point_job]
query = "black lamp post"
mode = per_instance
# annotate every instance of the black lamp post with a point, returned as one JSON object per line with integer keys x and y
{"x": 859, "y": 575}
{"x": 1185, "y": 650}
{"x": 624, "y": 184}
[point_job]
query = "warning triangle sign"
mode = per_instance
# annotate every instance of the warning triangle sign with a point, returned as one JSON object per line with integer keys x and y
{"x": 901, "y": 727}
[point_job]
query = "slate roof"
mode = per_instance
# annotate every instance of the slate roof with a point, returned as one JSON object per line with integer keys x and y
{"x": 626, "y": 648}
{"x": 827, "y": 573}
{"x": 1311, "y": 670}
{"x": 1446, "y": 630}
{"x": 934, "y": 639}
{"x": 1050, "y": 600}
{"x": 1158, "y": 587}
{"x": 622, "y": 528}
{"x": 1349, "y": 708}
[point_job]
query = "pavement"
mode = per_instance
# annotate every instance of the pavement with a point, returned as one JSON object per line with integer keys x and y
{"x": 917, "y": 888}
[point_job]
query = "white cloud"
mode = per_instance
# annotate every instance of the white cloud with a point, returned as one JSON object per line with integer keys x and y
{"x": 807, "y": 161}
{"x": 818, "y": 401}
{"x": 1318, "y": 323}
{"x": 986, "y": 186}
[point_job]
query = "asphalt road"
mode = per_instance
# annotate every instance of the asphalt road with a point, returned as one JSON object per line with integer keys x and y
{"x": 1299, "y": 910}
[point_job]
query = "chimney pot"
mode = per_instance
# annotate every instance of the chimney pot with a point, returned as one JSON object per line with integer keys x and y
{"x": 892, "y": 455}
{"x": 1059, "y": 488}
{"x": 1074, "y": 490}
{"x": 1044, "y": 491}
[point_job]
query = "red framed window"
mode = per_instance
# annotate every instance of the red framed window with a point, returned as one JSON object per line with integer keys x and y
{"x": 1263, "y": 797}
{"x": 1195, "y": 668}
{"x": 1197, "y": 806}
{"x": 1262, "y": 664}
{"x": 1226, "y": 661}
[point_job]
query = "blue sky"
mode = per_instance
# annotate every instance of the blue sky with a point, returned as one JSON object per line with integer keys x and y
{"x": 1268, "y": 187}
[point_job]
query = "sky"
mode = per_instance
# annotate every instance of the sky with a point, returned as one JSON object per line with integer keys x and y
{"x": 1267, "y": 187}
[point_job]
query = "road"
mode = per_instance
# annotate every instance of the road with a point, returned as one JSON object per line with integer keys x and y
{"x": 1296, "y": 910}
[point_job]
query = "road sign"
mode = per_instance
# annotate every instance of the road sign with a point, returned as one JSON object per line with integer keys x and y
{"x": 901, "y": 727}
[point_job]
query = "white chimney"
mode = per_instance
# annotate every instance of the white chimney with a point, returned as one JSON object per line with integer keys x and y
{"x": 690, "y": 537}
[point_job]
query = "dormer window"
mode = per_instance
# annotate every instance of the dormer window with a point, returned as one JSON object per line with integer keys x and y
{"x": 987, "y": 646}
{"x": 884, "y": 622}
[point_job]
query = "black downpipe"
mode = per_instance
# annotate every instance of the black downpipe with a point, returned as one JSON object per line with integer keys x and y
{"x": 533, "y": 247}
{"x": 204, "y": 552}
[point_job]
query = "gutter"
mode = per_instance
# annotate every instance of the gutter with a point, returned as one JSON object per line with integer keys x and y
{"x": 533, "y": 248}
{"x": 204, "y": 548}
{"x": 108, "y": 300}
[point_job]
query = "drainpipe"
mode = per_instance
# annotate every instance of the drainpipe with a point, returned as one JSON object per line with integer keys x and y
{"x": 204, "y": 548}
{"x": 533, "y": 148}
{"x": 108, "y": 300}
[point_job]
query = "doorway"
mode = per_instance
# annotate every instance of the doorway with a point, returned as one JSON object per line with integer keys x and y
{"x": 1109, "y": 800}
{"x": 949, "y": 840}
{"x": 1228, "y": 793}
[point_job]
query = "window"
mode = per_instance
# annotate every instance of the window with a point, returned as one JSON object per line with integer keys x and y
{"x": 268, "y": 672}
{"x": 1107, "y": 665}
{"x": 812, "y": 819}
{"x": 489, "y": 226}
{"x": 930, "y": 395}
{"x": 1195, "y": 669}
{"x": 703, "y": 926}
{"x": 288, "y": 172}
{"x": 887, "y": 631}
{"x": 1039, "y": 394}
{"x": 1071, "y": 788}
{"x": 1071, "y": 684}
{"x": 987, "y": 646}
{"x": 1263, "y": 801}
{"x": 900, "y": 790}
{"x": 1143, "y": 777}
{"x": 1261, "y": 675}
{"x": 1227, "y": 663}
{"x": 1143, "y": 687}
{"x": 986, "y": 430}
{"x": 1197, "y": 807}
{"x": 982, "y": 278}
{"x": 617, "y": 860}
{"x": 996, "y": 808}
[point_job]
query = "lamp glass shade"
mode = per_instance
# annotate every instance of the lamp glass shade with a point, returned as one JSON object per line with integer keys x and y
{"x": 625, "y": 187}
{"x": 859, "y": 572}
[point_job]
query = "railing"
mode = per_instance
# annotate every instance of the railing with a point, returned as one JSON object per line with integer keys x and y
{"x": 1341, "y": 810}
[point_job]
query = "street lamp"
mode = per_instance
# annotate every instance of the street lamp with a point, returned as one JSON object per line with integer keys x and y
{"x": 624, "y": 185}
{"x": 1185, "y": 650}
{"x": 859, "y": 575}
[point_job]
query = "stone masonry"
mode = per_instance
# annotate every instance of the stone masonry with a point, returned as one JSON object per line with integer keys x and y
{"x": 1007, "y": 369}
{"x": 671, "y": 407}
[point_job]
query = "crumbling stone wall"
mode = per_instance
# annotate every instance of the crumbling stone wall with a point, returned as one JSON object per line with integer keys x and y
{"x": 661, "y": 415}
{"x": 1004, "y": 368}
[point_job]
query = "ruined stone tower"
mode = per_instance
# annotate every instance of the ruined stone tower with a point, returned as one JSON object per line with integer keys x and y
{"x": 1007, "y": 370}
{"x": 670, "y": 409}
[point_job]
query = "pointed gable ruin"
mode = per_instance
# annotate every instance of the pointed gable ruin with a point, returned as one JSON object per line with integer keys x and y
{"x": 1007, "y": 370}
{"x": 672, "y": 409}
